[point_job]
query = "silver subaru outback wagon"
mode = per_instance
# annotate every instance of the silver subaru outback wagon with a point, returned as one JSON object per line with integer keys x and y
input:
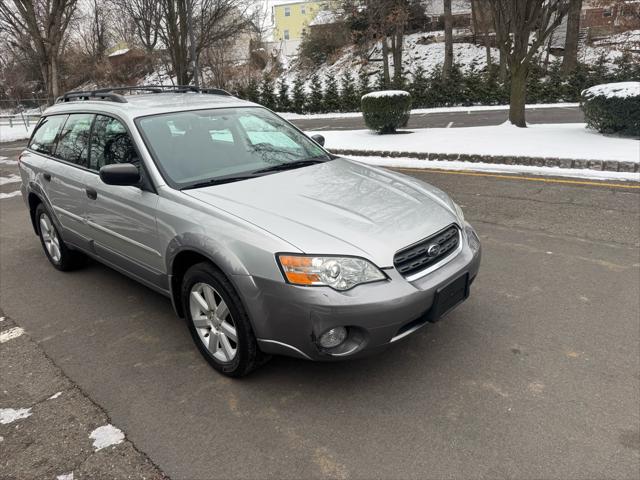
{"x": 265, "y": 242}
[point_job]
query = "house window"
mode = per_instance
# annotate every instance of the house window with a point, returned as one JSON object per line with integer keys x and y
{"x": 287, "y": 11}
{"x": 303, "y": 9}
{"x": 286, "y": 34}
{"x": 607, "y": 12}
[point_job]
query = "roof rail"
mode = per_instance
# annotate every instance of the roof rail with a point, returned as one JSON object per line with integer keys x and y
{"x": 109, "y": 94}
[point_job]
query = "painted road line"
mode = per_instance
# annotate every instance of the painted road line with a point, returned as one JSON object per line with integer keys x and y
{"x": 449, "y": 124}
{"x": 518, "y": 177}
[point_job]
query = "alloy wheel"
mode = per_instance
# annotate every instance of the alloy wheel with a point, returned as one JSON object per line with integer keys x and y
{"x": 50, "y": 238}
{"x": 213, "y": 322}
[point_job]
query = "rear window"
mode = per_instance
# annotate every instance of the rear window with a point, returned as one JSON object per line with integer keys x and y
{"x": 73, "y": 140}
{"x": 45, "y": 137}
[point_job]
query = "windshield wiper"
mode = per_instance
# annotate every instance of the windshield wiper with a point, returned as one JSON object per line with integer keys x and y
{"x": 219, "y": 181}
{"x": 291, "y": 165}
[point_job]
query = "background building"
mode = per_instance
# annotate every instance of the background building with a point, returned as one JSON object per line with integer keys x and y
{"x": 291, "y": 19}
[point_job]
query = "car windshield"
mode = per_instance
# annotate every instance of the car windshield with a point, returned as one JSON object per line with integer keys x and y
{"x": 201, "y": 147}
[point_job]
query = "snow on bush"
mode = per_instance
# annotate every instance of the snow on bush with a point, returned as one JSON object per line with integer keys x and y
{"x": 613, "y": 108}
{"x": 386, "y": 111}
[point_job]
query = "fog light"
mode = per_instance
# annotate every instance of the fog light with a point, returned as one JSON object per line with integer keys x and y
{"x": 333, "y": 338}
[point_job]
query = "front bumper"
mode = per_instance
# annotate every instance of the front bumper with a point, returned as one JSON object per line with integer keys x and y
{"x": 288, "y": 319}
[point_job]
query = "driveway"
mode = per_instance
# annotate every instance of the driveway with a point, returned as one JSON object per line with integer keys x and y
{"x": 535, "y": 376}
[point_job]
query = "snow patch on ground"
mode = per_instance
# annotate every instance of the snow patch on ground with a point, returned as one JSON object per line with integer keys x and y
{"x": 496, "y": 168}
{"x": 10, "y": 134}
{"x": 10, "y": 415}
{"x": 614, "y": 90}
{"x": 9, "y": 195}
{"x": 10, "y": 334}
{"x": 55, "y": 395}
{"x": 13, "y": 178}
{"x": 572, "y": 140}
{"x": 106, "y": 436}
{"x": 6, "y": 161}
{"x": 65, "y": 476}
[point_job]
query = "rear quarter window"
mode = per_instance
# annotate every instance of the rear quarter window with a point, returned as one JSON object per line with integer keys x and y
{"x": 45, "y": 137}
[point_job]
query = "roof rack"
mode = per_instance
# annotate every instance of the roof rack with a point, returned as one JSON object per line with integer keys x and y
{"x": 110, "y": 95}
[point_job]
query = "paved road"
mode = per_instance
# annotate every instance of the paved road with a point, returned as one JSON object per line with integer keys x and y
{"x": 472, "y": 118}
{"x": 536, "y": 376}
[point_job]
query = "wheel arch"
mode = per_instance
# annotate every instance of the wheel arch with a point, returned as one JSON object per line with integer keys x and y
{"x": 34, "y": 200}
{"x": 184, "y": 259}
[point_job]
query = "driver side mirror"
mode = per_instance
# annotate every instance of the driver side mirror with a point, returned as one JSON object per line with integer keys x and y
{"x": 319, "y": 139}
{"x": 122, "y": 174}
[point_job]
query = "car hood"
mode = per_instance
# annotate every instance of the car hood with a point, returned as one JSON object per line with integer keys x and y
{"x": 339, "y": 207}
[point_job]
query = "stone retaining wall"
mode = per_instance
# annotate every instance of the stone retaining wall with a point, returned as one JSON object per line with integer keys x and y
{"x": 607, "y": 165}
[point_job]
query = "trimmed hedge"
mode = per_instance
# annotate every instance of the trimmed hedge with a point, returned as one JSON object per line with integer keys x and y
{"x": 613, "y": 108}
{"x": 386, "y": 111}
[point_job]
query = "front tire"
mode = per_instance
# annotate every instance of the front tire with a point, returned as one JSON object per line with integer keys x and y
{"x": 60, "y": 256}
{"x": 218, "y": 323}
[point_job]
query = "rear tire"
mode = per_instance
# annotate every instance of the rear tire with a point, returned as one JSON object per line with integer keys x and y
{"x": 60, "y": 256}
{"x": 218, "y": 322}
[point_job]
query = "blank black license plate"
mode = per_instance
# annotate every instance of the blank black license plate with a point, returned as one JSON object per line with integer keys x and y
{"x": 449, "y": 296}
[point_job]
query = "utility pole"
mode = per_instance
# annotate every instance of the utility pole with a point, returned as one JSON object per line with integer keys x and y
{"x": 192, "y": 44}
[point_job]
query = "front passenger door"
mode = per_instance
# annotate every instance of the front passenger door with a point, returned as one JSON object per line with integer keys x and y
{"x": 123, "y": 218}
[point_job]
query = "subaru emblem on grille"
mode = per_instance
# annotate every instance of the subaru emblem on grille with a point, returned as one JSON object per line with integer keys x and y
{"x": 433, "y": 250}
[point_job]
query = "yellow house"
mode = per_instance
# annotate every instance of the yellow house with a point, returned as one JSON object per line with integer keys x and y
{"x": 290, "y": 19}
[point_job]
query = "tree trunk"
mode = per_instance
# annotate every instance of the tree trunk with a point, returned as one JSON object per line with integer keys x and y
{"x": 448, "y": 40}
{"x": 570, "y": 60}
{"x": 385, "y": 62}
{"x": 503, "y": 66}
{"x": 518, "y": 101}
{"x": 397, "y": 59}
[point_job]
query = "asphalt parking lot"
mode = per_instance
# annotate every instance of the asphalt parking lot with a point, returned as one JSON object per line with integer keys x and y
{"x": 537, "y": 375}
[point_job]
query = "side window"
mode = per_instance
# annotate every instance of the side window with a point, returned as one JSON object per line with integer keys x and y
{"x": 73, "y": 140}
{"x": 111, "y": 143}
{"x": 46, "y": 135}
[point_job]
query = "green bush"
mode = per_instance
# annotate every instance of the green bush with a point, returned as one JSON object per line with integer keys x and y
{"x": 613, "y": 108}
{"x": 387, "y": 110}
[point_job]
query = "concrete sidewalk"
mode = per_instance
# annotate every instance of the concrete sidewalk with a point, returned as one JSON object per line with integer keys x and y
{"x": 47, "y": 422}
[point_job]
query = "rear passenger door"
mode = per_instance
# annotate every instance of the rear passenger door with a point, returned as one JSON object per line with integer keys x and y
{"x": 67, "y": 174}
{"x": 123, "y": 218}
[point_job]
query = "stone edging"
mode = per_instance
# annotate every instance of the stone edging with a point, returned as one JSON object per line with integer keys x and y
{"x": 606, "y": 165}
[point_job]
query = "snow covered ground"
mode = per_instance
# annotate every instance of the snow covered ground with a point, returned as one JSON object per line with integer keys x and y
{"x": 10, "y": 134}
{"x": 425, "y": 111}
{"x": 572, "y": 140}
{"x": 496, "y": 168}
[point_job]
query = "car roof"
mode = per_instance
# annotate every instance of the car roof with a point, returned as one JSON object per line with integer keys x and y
{"x": 140, "y": 105}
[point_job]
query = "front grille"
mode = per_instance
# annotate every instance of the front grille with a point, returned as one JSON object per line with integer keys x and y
{"x": 427, "y": 252}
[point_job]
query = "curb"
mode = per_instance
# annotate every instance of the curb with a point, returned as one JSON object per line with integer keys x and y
{"x": 601, "y": 165}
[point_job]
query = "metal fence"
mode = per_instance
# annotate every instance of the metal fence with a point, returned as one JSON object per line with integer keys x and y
{"x": 21, "y": 112}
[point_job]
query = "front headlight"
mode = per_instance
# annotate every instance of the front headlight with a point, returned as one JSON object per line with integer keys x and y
{"x": 339, "y": 273}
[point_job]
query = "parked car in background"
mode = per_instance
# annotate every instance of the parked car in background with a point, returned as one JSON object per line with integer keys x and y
{"x": 265, "y": 242}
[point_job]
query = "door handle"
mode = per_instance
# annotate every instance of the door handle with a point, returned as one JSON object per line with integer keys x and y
{"x": 91, "y": 193}
{"x": 46, "y": 176}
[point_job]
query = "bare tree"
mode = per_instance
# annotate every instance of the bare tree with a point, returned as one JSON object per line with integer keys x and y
{"x": 213, "y": 20}
{"x": 482, "y": 22}
{"x": 146, "y": 16}
{"x": 40, "y": 26}
{"x": 448, "y": 39}
{"x": 570, "y": 60}
{"x": 93, "y": 31}
{"x": 387, "y": 20}
{"x": 522, "y": 27}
